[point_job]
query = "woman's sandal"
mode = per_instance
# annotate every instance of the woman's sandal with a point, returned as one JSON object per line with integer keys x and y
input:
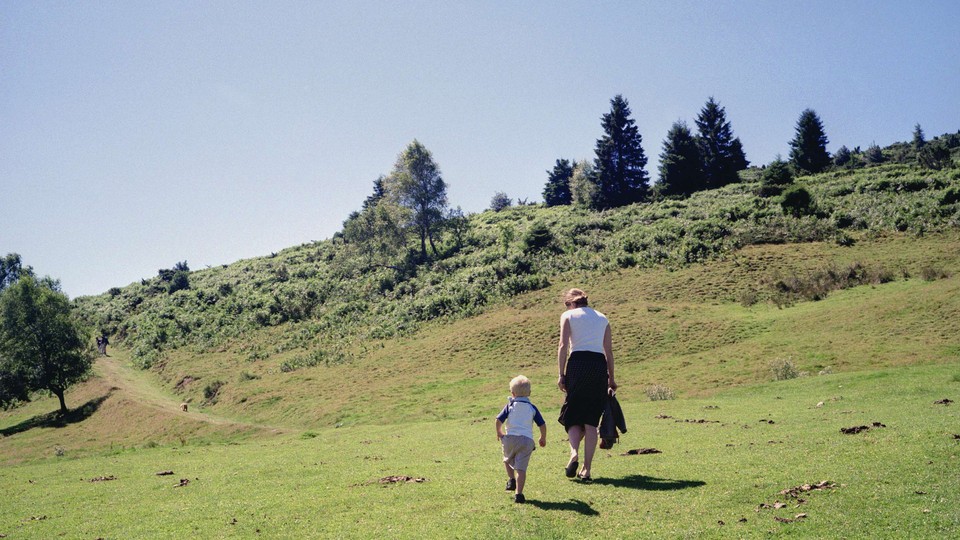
{"x": 571, "y": 469}
{"x": 584, "y": 478}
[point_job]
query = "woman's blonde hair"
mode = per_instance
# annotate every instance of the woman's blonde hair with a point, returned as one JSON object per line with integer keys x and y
{"x": 576, "y": 297}
{"x": 520, "y": 386}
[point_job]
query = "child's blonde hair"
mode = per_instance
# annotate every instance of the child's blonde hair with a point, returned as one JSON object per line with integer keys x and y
{"x": 520, "y": 386}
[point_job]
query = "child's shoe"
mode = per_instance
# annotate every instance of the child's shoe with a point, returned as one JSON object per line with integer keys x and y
{"x": 511, "y": 484}
{"x": 519, "y": 498}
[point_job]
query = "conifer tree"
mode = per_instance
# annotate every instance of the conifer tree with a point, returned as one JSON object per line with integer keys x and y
{"x": 808, "y": 149}
{"x": 620, "y": 159}
{"x": 721, "y": 153}
{"x": 918, "y": 139}
{"x": 680, "y": 164}
{"x": 557, "y": 190}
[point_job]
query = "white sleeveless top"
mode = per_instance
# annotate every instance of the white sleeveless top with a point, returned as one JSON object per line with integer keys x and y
{"x": 587, "y": 327}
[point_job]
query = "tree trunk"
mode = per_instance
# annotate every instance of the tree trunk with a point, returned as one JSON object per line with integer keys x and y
{"x": 63, "y": 404}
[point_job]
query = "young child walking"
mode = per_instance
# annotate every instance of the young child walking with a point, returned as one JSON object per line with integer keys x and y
{"x": 518, "y": 418}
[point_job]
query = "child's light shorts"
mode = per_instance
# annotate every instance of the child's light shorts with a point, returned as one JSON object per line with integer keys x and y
{"x": 517, "y": 450}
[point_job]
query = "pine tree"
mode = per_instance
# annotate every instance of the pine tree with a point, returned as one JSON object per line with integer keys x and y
{"x": 721, "y": 153}
{"x": 680, "y": 163}
{"x": 620, "y": 159}
{"x": 379, "y": 191}
{"x": 842, "y": 157}
{"x": 557, "y": 190}
{"x": 918, "y": 139}
{"x": 808, "y": 149}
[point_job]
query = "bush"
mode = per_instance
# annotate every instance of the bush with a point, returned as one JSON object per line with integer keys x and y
{"x": 931, "y": 273}
{"x": 659, "y": 392}
{"x": 951, "y": 196}
{"x": 784, "y": 369}
{"x": 797, "y": 202}
{"x": 537, "y": 237}
{"x": 211, "y": 391}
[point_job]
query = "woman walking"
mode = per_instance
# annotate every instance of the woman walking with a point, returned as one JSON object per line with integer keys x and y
{"x": 586, "y": 376}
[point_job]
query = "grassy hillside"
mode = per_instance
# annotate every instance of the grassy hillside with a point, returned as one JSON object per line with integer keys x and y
{"x": 372, "y": 382}
{"x": 733, "y": 475}
{"x": 328, "y": 301}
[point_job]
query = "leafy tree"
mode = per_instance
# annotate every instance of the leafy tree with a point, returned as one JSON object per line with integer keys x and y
{"x": 459, "y": 225}
{"x": 557, "y": 190}
{"x": 376, "y": 232}
{"x": 680, "y": 164}
{"x": 721, "y": 154}
{"x": 583, "y": 185}
{"x": 11, "y": 269}
{"x": 500, "y": 201}
{"x": 918, "y": 139}
{"x": 42, "y": 345}
{"x": 620, "y": 160}
{"x": 808, "y": 149}
{"x": 177, "y": 278}
{"x": 416, "y": 184}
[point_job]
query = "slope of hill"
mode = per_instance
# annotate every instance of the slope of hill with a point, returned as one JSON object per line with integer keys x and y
{"x": 330, "y": 299}
{"x": 315, "y": 334}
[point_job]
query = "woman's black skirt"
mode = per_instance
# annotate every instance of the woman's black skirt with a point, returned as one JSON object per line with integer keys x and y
{"x": 586, "y": 382}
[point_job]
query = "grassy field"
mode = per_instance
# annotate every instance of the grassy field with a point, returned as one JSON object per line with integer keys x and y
{"x": 279, "y": 454}
{"x": 709, "y": 480}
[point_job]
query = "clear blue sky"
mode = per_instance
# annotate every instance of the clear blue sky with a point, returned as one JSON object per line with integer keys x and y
{"x": 137, "y": 134}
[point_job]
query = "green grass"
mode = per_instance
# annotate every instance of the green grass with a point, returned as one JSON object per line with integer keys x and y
{"x": 895, "y": 481}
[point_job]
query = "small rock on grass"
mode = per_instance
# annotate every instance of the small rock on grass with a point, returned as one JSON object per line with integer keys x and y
{"x": 165, "y": 473}
{"x": 944, "y": 401}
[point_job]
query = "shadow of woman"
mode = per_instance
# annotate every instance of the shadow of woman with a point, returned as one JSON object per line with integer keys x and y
{"x": 573, "y": 505}
{"x": 649, "y": 483}
{"x": 56, "y": 419}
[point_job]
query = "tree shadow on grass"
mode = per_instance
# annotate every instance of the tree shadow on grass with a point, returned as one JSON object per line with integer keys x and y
{"x": 56, "y": 419}
{"x": 648, "y": 483}
{"x": 573, "y": 505}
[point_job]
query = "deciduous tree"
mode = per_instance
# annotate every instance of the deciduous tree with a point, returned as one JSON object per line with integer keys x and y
{"x": 416, "y": 184}
{"x": 43, "y": 346}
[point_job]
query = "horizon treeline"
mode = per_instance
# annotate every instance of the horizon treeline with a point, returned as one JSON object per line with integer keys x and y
{"x": 710, "y": 158}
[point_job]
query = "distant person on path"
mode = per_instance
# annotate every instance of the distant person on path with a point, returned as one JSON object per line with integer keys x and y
{"x": 100, "y": 345}
{"x": 103, "y": 344}
{"x": 585, "y": 364}
{"x": 518, "y": 418}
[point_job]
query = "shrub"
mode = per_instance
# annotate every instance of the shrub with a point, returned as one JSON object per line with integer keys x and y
{"x": 932, "y": 273}
{"x": 797, "y": 202}
{"x": 748, "y": 298}
{"x": 537, "y": 237}
{"x": 211, "y": 391}
{"x": 951, "y": 196}
{"x": 784, "y": 369}
{"x": 659, "y": 392}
